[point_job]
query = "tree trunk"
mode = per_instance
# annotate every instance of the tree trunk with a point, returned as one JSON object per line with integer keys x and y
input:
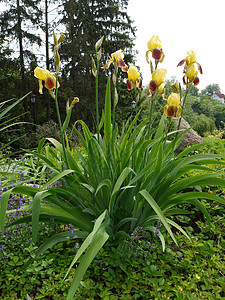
{"x": 20, "y": 36}
{"x": 22, "y": 67}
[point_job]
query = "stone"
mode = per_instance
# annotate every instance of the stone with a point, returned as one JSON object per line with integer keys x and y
{"x": 190, "y": 138}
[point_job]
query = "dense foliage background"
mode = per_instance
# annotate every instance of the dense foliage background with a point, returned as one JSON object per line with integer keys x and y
{"x": 26, "y": 41}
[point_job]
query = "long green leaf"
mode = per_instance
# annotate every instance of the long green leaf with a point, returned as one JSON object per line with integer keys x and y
{"x": 158, "y": 211}
{"x": 193, "y": 181}
{"x": 55, "y": 239}
{"x": 67, "y": 120}
{"x": 57, "y": 178}
{"x": 87, "y": 241}
{"x": 5, "y": 111}
{"x": 199, "y": 195}
{"x": 105, "y": 182}
{"x": 36, "y": 212}
{"x": 3, "y": 206}
{"x": 178, "y": 227}
{"x": 108, "y": 121}
{"x": 97, "y": 243}
{"x": 117, "y": 186}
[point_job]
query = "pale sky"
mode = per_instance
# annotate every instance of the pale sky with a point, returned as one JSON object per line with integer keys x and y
{"x": 182, "y": 25}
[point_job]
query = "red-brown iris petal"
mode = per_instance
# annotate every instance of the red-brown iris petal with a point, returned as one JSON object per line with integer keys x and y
{"x": 49, "y": 83}
{"x": 106, "y": 66}
{"x": 152, "y": 85}
{"x": 124, "y": 69}
{"x": 184, "y": 80}
{"x": 121, "y": 63}
{"x": 196, "y": 81}
{"x": 129, "y": 85}
{"x": 140, "y": 84}
{"x": 181, "y": 63}
{"x": 170, "y": 111}
{"x": 199, "y": 68}
{"x": 156, "y": 53}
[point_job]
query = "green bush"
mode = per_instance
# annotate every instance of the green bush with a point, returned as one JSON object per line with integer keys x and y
{"x": 203, "y": 124}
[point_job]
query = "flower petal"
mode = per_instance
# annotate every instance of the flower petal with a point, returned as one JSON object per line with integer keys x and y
{"x": 125, "y": 68}
{"x": 107, "y": 65}
{"x": 147, "y": 56}
{"x": 129, "y": 85}
{"x": 41, "y": 73}
{"x": 196, "y": 80}
{"x": 152, "y": 85}
{"x": 181, "y": 63}
{"x": 50, "y": 83}
{"x": 170, "y": 110}
{"x": 139, "y": 84}
{"x": 165, "y": 110}
{"x": 40, "y": 86}
{"x": 178, "y": 114}
{"x": 156, "y": 53}
{"x": 199, "y": 68}
{"x": 121, "y": 63}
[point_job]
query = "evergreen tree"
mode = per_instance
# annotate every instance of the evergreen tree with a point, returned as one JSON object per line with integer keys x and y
{"x": 9, "y": 73}
{"x": 18, "y": 22}
{"x": 85, "y": 22}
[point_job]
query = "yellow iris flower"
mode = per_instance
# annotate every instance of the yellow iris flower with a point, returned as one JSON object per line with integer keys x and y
{"x": 191, "y": 72}
{"x": 158, "y": 80}
{"x": 154, "y": 42}
{"x": 118, "y": 58}
{"x": 159, "y": 76}
{"x": 134, "y": 79}
{"x": 173, "y": 102}
{"x": 191, "y": 57}
{"x": 47, "y": 77}
{"x": 133, "y": 74}
{"x": 155, "y": 46}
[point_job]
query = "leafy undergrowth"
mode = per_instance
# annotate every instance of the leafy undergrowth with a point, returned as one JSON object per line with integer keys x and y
{"x": 140, "y": 270}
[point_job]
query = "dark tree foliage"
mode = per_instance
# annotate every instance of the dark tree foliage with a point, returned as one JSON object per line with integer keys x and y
{"x": 18, "y": 22}
{"x": 9, "y": 72}
{"x": 85, "y": 22}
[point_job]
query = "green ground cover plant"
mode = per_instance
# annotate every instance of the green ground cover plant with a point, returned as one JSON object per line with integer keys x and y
{"x": 140, "y": 270}
{"x": 116, "y": 188}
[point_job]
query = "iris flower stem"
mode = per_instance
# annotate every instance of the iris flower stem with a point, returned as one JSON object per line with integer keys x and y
{"x": 114, "y": 106}
{"x": 96, "y": 96}
{"x": 135, "y": 125}
{"x": 169, "y": 125}
{"x": 150, "y": 114}
{"x": 179, "y": 123}
{"x": 60, "y": 122}
{"x": 136, "y": 106}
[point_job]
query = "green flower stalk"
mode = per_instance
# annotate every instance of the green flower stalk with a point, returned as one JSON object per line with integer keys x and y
{"x": 157, "y": 83}
{"x": 52, "y": 84}
{"x": 117, "y": 59}
{"x": 95, "y": 72}
{"x": 134, "y": 82}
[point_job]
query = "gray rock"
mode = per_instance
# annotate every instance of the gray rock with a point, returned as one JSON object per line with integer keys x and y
{"x": 190, "y": 138}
